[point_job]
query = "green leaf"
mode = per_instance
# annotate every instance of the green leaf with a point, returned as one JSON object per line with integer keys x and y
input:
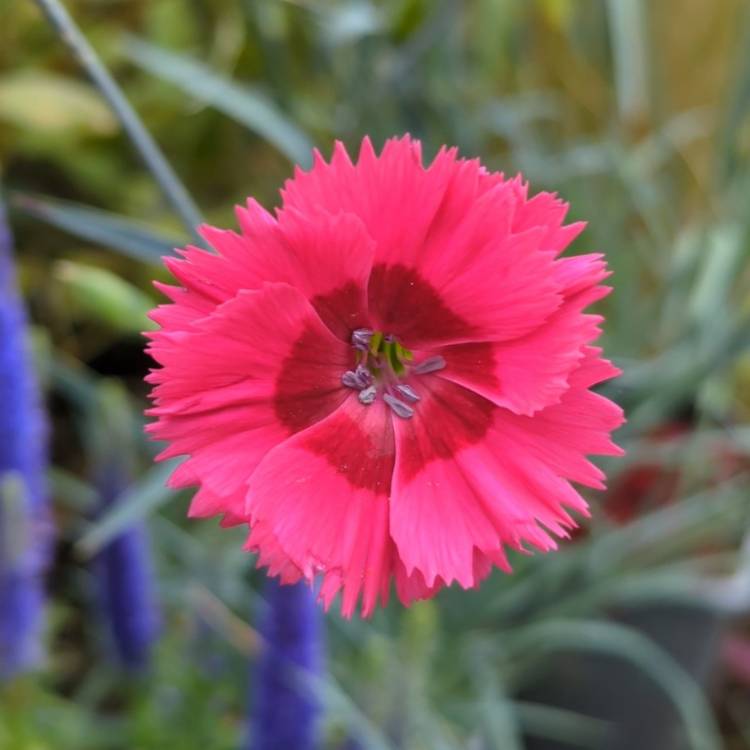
{"x": 496, "y": 713}
{"x": 631, "y": 58}
{"x": 340, "y": 706}
{"x": 617, "y": 640}
{"x": 71, "y": 492}
{"x": 72, "y": 380}
{"x": 246, "y": 105}
{"x": 104, "y": 296}
{"x": 352, "y": 21}
{"x": 562, "y": 725}
{"x": 99, "y": 227}
{"x": 721, "y": 263}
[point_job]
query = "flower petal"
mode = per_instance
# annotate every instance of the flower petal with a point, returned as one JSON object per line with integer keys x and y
{"x": 436, "y": 519}
{"x": 327, "y": 257}
{"x": 531, "y": 372}
{"x": 393, "y": 194}
{"x": 546, "y": 210}
{"x": 505, "y": 293}
{"x": 472, "y": 478}
{"x": 260, "y": 368}
{"x": 562, "y": 435}
{"x": 271, "y": 555}
{"x": 412, "y": 587}
{"x": 448, "y": 267}
{"x": 323, "y": 494}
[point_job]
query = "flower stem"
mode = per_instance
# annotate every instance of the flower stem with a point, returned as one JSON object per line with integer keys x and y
{"x": 153, "y": 158}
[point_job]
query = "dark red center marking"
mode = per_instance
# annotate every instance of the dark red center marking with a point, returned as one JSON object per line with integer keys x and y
{"x": 364, "y": 459}
{"x": 308, "y": 386}
{"x": 473, "y": 361}
{"x": 343, "y": 309}
{"x": 451, "y": 418}
{"x": 408, "y": 307}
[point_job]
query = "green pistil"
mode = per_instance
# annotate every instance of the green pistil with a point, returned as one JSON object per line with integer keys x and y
{"x": 380, "y": 363}
{"x": 389, "y": 352}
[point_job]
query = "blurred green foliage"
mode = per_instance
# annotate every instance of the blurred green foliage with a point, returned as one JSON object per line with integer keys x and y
{"x": 637, "y": 113}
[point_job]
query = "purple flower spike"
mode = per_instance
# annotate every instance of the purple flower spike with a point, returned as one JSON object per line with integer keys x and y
{"x": 124, "y": 567}
{"x": 285, "y": 714}
{"x": 25, "y": 529}
{"x": 125, "y": 570}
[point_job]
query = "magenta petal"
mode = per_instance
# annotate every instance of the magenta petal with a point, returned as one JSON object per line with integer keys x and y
{"x": 393, "y": 194}
{"x": 326, "y": 257}
{"x": 562, "y": 435}
{"x": 323, "y": 494}
{"x": 264, "y": 543}
{"x": 531, "y": 372}
{"x": 228, "y": 392}
{"x": 472, "y": 478}
{"x": 450, "y": 265}
{"x": 436, "y": 520}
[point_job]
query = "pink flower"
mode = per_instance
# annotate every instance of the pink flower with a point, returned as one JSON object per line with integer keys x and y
{"x": 388, "y": 379}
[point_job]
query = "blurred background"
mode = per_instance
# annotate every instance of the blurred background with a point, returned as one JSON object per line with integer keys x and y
{"x": 637, "y": 632}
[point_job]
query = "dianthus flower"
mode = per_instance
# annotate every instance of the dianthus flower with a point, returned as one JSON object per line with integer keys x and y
{"x": 389, "y": 378}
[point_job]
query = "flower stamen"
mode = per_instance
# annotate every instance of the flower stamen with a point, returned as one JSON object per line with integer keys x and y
{"x": 381, "y": 363}
{"x": 361, "y": 339}
{"x": 398, "y": 407}
{"x": 367, "y": 395}
{"x": 357, "y": 379}
{"x": 407, "y": 392}
{"x": 431, "y": 364}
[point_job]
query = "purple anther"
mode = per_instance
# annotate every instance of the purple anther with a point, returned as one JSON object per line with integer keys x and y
{"x": 351, "y": 380}
{"x": 361, "y": 338}
{"x": 367, "y": 396}
{"x": 364, "y": 376}
{"x": 431, "y": 364}
{"x": 407, "y": 392}
{"x": 399, "y": 408}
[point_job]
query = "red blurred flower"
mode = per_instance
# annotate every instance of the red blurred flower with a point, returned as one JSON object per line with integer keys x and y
{"x": 654, "y": 482}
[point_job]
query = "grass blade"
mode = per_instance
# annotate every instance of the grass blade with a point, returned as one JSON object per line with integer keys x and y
{"x": 562, "y": 725}
{"x": 617, "y": 640}
{"x": 150, "y": 153}
{"x": 245, "y": 105}
{"x": 626, "y": 24}
{"x": 99, "y": 227}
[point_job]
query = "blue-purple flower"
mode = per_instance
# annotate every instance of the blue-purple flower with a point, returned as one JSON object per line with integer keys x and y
{"x": 124, "y": 567}
{"x": 24, "y": 512}
{"x": 285, "y": 711}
